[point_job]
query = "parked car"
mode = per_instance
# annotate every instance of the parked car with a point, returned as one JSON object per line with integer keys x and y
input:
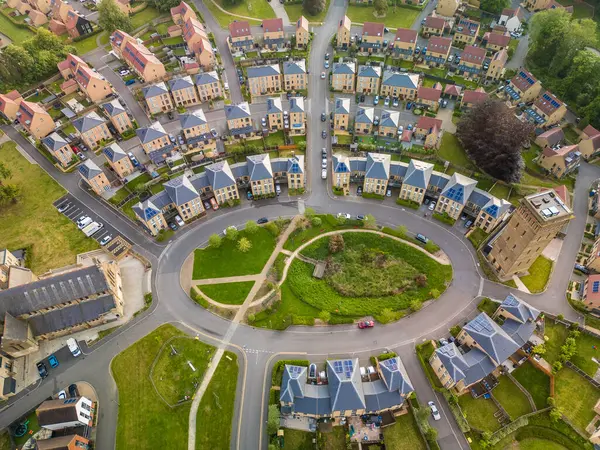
{"x": 106, "y": 239}
{"x": 582, "y": 268}
{"x": 173, "y": 226}
{"x": 53, "y": 361}
{"x": 324, "y": 174}
{"x": 362, "y": 98}
{"x": 360, "y": 217}
{"x": 62, "y": 208}
{"x": 133, "y": 159}
{"x": 42, "y": 370}
{"x": 214, "y": 133}
{"x": 324, "y": 152}
{"x": 376, "y": 121}
{"x": 388, "y": 193}
{"x": 431, "y": 206}
{"x": 366, "y": 324}
{"x": 376, "y": 100}
{"x": 73, "y": 347}
{"x": 468, "y": 223}
{"x": 263, "y": 122}
{"x": 395, "y": 103}
{"x": 344, "y": 216}
{"x": 324, "y": 163}
{"x": 278, "y": 189}
{"x": 421, "y": 238}
{"x": 262, "y": 220}
{"x": 400, "y": 129}
{"x": 443, "y": 341}
{"x": 323, "y": 134}
{"x": 207, "y": 205}
{"x": 386, "y": 102}
{"x": 409, "y": 105}
{"x": 249, "y": 195}
{"x": 62, "y": 395}
{"x": 170, "y": 115}
{"x": 130, "y": 82}
{"x": 327, "y": 56}
{"x": 434, "y": 411}
{"x": 73, "y": 391}
{"x": 81, "y": 156}
{"x": 359, "y": 190}
{"x": 323, "y": 117}
{"x": 322, "y": 75}
{"x": 444, "y": 103}
{"x": 327, "y": 64}
{"x": 450, "y": 58}
{"x": 179, "y": 221}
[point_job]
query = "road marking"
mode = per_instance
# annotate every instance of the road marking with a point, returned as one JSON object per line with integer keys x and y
{"x": 481, "y": 283}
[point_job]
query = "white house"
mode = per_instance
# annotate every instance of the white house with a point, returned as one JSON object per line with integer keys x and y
{"x": 511, "y": 19}
{"x": 65, "y": 413}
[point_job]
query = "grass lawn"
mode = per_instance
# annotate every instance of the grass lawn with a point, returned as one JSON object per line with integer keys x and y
{"x": 145, "y": 421}
{"x": 556, "y": 334}
{"x": 294, "y": 11}
{"x": 54, "y": 241}
{"x": 396, "y": 17}
{"x": 143, "y": 178}
{"x": 335, "y": 440}
{"x": 588, "y": 347}
{"x": 15, "y": 33}
{"x": 86, "y": 45}
{"x": 500, "y": 190}
{"x": 213, "y": 427}
{"x": 488, "y": 306}
{"x": 451, "y": 150}
{"x": 259, "y": 9}
{"x": 298, "y": 440}
{"x": 576, "y": 397}
{"x": 477, "y": 237}
{"x": 228, "y": 293}
{"x": 69, "y": 129}
{"x": 535, "y": 381}
{"x": 404, "y": 434}
{"x": 5, "y": 441}
{"x": 539, "y": 272}
{"x": 344, "y": 139}
{"x": 479, "y": 412}
{"x": 119, "y": 196}
{"x": 274, "y": 139}
{"x": 511, "y": 398}
{"x": 127, "y": 208}
{"x": 571, "y": 135}
{"x": 144, "y": 17}
{"x": 172, "y": 375}
{"x": 328, "y": 223}
{"x": 33, "y": 426}
{"x": 228, "y": 261}
{"x": 539, "y": 444}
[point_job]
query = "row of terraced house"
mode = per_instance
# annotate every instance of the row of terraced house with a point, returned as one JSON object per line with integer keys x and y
{"x": 242, "y": 39}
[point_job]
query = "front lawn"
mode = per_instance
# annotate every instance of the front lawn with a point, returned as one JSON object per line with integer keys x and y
{"x": 258, "y": 9}
{"x": 228, "y": 261}
{"x": 86, "y": 45}
{"x": 228, "y": 293}
{"x": 535, "y": 381}
{"x": 397, "y": 17}
{"x": 452, "y": 151}
{"x": 576, "y": 397}
{"x": 404, "y": 434}
{"x": 145, "y": 16}
{"x": 479, "y": 412}
{"x": 477, "y": 237}
{"x": 511, "y": 398}
{"x": 588, "y": 347}
{"x": 139, "y": 180}
{"x": 33, "y": 223}
{"x": 539, "y": 273}
{"x": 556, "y": 334}
{"x": 488, "y": 306}
{"x": 145, "y": 421}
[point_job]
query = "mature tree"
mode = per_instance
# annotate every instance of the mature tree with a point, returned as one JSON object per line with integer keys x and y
{"x": 111, "y": 18}
{"x": 540, "y": 349}
{"x": 313, "y": 7}
{"x": 493, "y": 138}
{"x": 231, "y": 233}
{"x": 251, "y": 227}
{"x": 164, "y": 5}
{"x": 244, "y": 245}
{"x": 582, "y": 83}
{"x": 494, "y": 6}
{"x": 381, "y": 7}
{"x": 215, "y": 241}
{"x": 336, "y": 243}
{"x": 8, "y": 192}
{"x": 273, "y": 419}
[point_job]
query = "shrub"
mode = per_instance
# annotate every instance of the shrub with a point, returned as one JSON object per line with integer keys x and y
{"x": 244, "y": 245}
{"x": 316, "y": 222}
{"x": 232, "y": 233}
{"x": 508, "y": 429}
{"x": 324, "y": 316}
{"x": 455, "y": 330}
{"x": 277, "y": 374}
{"x": 407, "y": 203}
{"x": 251, "y": 317}
{"x": 415, "y": 305}
{"x": 336, "y": 243}
{"x": 273, "y": 229}
{"x": 251, "y": 227}
{"x": 557, "y": 366}
{"x": 214, "y": 241}
{"x": 444, "y": 218}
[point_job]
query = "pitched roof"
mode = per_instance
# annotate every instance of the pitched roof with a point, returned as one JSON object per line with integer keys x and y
{"x": 302, "y": 23}
{"x": 54, "y": 141}
{"x": 345, "y": 386}
{"x": 378, "y": 166}
{"x": 373, "y": 29}
{"x": 192, "y": 119}
{"x": 342, "y": 106}
{"x": 474, "y": 96}
{"x": 467, "y": 26}
{"x": 474, "y": 55}
{"x": 295, "y": 164}
{"x": 181, "y": 9}
{"x": 523, "y": 80}
{"x": 272, "y": 25}
{"x": 553, "y": 136}
{"x": 114, "y": 152}
{"x": 501, "y": 55}
{"x": 292, "y": 384}
{"x": 345, "y": 22}
{"x": 294, "y": 67}
{"x": 389, "y": 118}
{"x": 89, "y": 169}
{"x": 432, "y": 94}
{"x": 61, "y": 442}
{"x": 405, "y": 80}
{"x": 429, "y": 123}
{"x": 439, "y": 44}
{"x": 53, "y": 412}
{"x": 219, "y": 174}
{"x": 181, "y": 83}
{"x": 523, "y": 311}
{"x": 259, "y": 167}
{"x": 341, "y": 164}
{"x": 296, "y": 104}
{"x": 274, "y": 105}
{"x": 365, "y": 115}
{"x": 497, "y": 39}
{"x": 491, "y": 338}
{"x": 548, "y": 103}
{"x": 238, "y": 111}
{"x": 395, "y": 376}
{"x": 150, "y": 133}
{"x": 459, "y": 188}
{"x": 343, "y": 68}
{"x": 561, "y": 151}
{"x": 406, "y": 35}
{"x": 452, "y": 89}
{"x": 239, "y": 28}
{"x": 180, "y": 190}
{"x": 206, "y": 78}
{"x": 263, "y": 71}
{"x": 369, "y": 71}
{"x": 418, "y": 173}
{"x": 154, "y": 90}
{"x": 435, "y": 22}
{"x": 113, "y": 108}
{"x": 149, "y": 208}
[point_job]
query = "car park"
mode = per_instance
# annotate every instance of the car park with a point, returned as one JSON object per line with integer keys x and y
{"x": 53, "y": 361}
{"x": 324, "y": 174}
{"x": 421, "y": 238}
{"x": 106, "y": 239}
{"x": 366, "y": 324}
{"x": 42, "y": 370}
{"x": 262, "y": 220}
{"x": 434, "y": 411}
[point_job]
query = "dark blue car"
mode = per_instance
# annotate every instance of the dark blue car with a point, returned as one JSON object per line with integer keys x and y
{"x": 130, "y": 82}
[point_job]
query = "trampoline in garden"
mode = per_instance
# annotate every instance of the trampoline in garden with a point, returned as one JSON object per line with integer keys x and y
{"x": 21, "y": 429}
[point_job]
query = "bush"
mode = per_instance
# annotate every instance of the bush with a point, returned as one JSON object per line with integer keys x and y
{"x": 273, "y": 229}
{"x": 508, "y": 429}
{"x": 215, "y": 241}
{"x": 407, "y": 203}
{"x": 373, "y": 195}
{"x": 455, "y": 330}
{"x": 251, "y": 317}
{"x": 316, "y": 222}
{"x": 444, "y": 218}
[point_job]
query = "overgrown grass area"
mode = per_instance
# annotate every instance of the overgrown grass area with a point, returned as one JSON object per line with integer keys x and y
{"x": 228, "y": 261}
{"x": 172, "y": 376}
{"x": 479, "y": 412}
{"x": 556, "y": 334}
{"x": 33, "y": 222}
{"x": 298, "y": 440}
{"x": 228, "y": 293}
{"x": 258, "y": 9}
{"x": 477, "y": 237}
{"x": 295, "y": 10}
{"x": 500, "y": 190}
{"x": 397, "y": 17}
{"x": 86, "y": 45}
{"x": 488, "y": 306}
{"x": 33, "y": 426}
{"x": 511, "y": 398}
{"x": 145, "y": 16}
{"x": 452, "y": 151}
{"x": 535, "y": 381}
{"x": 5, "y": 443}
{"x": 576, "y": 397}
{"x": 278, "y": 266}
{"x": 145, "y": 421}
{"x": 539, "y": 273}
{"x": 404, "y": 434}
{"x": 334, "y": 440}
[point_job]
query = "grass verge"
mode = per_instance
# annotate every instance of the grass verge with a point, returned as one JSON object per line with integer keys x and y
{"x": 228, "y": 293}
{"x": 539, "y": 273}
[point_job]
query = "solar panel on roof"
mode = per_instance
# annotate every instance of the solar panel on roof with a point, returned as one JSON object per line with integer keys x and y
{"x": 595, "y": 286}
{"x": 338, "y": 367}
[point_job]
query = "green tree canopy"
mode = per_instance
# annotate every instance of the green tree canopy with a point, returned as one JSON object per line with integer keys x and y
{"x": 111, "y": 18}
{"x": 494, "y": 6}
{"x": 313, "y": 7}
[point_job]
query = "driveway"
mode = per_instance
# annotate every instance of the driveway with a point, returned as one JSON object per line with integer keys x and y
{"x": 280, "y": 11}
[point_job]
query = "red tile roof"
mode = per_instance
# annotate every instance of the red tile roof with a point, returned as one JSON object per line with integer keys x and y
{"x": 473, "y": 55}
{"x": 590, "y": 131}
{"x": 429, "y": 93}
{"x": 63, "y": 65}
{"x": 472, "y": 97}
{"x": 592, "y": 296}
{"x": 57, "y": 27}
{"x": 272, "y": 25}
{"x": 429, "y": 123}
{"x": 239, "y": 29}
{"x": 508, "y": 12}
{"x": 452, "y": 89}
{"x": 499, "y": 29}
{"x": 563, "y": 193}
{"x": 439, "y": 44}
{"x": 14, "y": 95}
{"x": 562, "y": 151}
{"x": 406, "y": 35}
{"x": 435, "y": 22}
{"x": 521, "y": 83}
{"x": 373, "y": 29}
{"x": 497, "y": 39}
{"x": 181, "y": 9}
{"x": 501, "y": 55}
{"x": 553, "y": 136}
{"x": 545, "y": 105}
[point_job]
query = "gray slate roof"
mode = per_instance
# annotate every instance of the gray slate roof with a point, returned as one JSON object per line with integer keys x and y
{"x": 497, "y": 207}
{"x": 459, "y": 188}
{"x": 378, "y": 166}
{"x": 113, "y": 108}
{"x": 438, "y": 179}
{"x": 343, "y": 68}
{"x": 418, "y": 174}
{"x": 54, "y": 141}
{"x": 293, "y": 382}
{"x": 219, "y": 175}
{"x": 345, "y": 385}
{"x": 89, "y": 169}
{"x": 377, "y": 397}
{"x": 263, "y": 71}
{"x": 181, "y": 83}
{"x": 480, "y": 197}
{"x": 155, "y": 90}
{"x": 358, "y": 164}
{"x": 369, "y": 71}
{"x": 114, "y": 152}
{"x": 240, "y": 170}
{"x": 88, "y": 122}
{"x": 390, "y": 119}
{"x": 52, "y": 291}
{"x": 200, "y": 181}
{"x": 398, "y": 169}
{"x": 238, "y": 111}
{"x": 274, "y": 105}
{"x": 341, "y": 164}
{"x": 405, "y": 80}
{"x": 395, "y": 376}
{"x": 14, "y": 329}
{"x": 492, "y": 339}
{"x": 180, "y": 190}
{"x": 365, "y": 115}
{"x": 523, "y": 311}
{"x": 192, "y": 119}
{"x": 206, "y": 78}
{"x": 259, "y": 167}
{"x": 294, "y": 67}
{"x": 296, "y": 104}
{"x": 316, "y": 400}
{"x": 148, "y": 134}
{"x": 342, "y": 106}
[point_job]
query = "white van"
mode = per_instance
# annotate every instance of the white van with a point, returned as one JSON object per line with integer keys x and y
{"x": 73, "y": 347}
{"x": 85, "y": 222}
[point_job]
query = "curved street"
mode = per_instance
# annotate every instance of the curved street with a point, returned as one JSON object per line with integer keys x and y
{"x": 261, "y": 347}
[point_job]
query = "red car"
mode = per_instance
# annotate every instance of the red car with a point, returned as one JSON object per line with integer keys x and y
{"x": 76, "y": 149}
{"x": 366, "y": 324}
